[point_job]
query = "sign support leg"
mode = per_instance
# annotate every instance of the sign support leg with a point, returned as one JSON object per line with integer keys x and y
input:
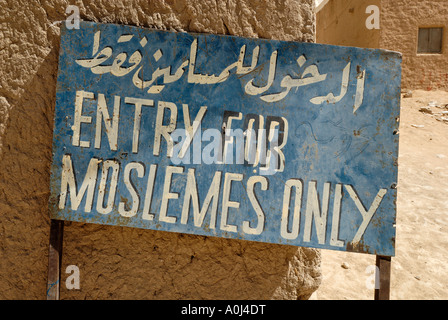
{"x": 382, "y": 289}
{"x": 54, "y": 259}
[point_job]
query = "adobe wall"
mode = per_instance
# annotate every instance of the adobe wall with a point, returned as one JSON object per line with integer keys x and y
{"x": 119, "y": 262}
{"x": 342, "y": 22}
{"x": 400, "y": 21}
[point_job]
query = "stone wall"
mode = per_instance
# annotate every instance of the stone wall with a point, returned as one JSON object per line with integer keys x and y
{"x": 119, "y": 262}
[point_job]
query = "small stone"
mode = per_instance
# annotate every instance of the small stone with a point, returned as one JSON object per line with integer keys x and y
{"x": 425, "y": 110}
{"x": 417, "y": 277}
{"x": 345, "y": 265}
{"x": 408, "y": 94}
{"x": 417, "y": 125}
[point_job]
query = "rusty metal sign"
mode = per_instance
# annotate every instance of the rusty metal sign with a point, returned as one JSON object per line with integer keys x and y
{"x": 273, "y": 141}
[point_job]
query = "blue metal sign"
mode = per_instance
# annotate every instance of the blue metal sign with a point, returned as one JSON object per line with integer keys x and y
{"x": 273, "y": 141}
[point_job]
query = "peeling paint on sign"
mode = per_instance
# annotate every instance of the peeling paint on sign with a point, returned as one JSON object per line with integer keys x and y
{"x": 261, "y": 140}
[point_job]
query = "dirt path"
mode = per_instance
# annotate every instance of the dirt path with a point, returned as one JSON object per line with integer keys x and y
{"x": 420, "y": 267}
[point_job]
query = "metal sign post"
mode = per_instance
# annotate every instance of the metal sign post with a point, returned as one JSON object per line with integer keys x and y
{"x": 382, "y": 289}
{"x": 54, "y": 259}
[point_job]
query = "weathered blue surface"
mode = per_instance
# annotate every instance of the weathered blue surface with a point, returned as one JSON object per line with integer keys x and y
{"x": 346, "y": 143}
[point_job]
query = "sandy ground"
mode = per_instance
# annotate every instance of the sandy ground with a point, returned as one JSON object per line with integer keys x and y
{"x": 420, "y": 267}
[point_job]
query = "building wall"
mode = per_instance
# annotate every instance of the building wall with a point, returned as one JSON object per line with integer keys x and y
{"x": 342, "y": 22}
{"x": 400, "y": 20}
{"x": 118, "y": 262}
